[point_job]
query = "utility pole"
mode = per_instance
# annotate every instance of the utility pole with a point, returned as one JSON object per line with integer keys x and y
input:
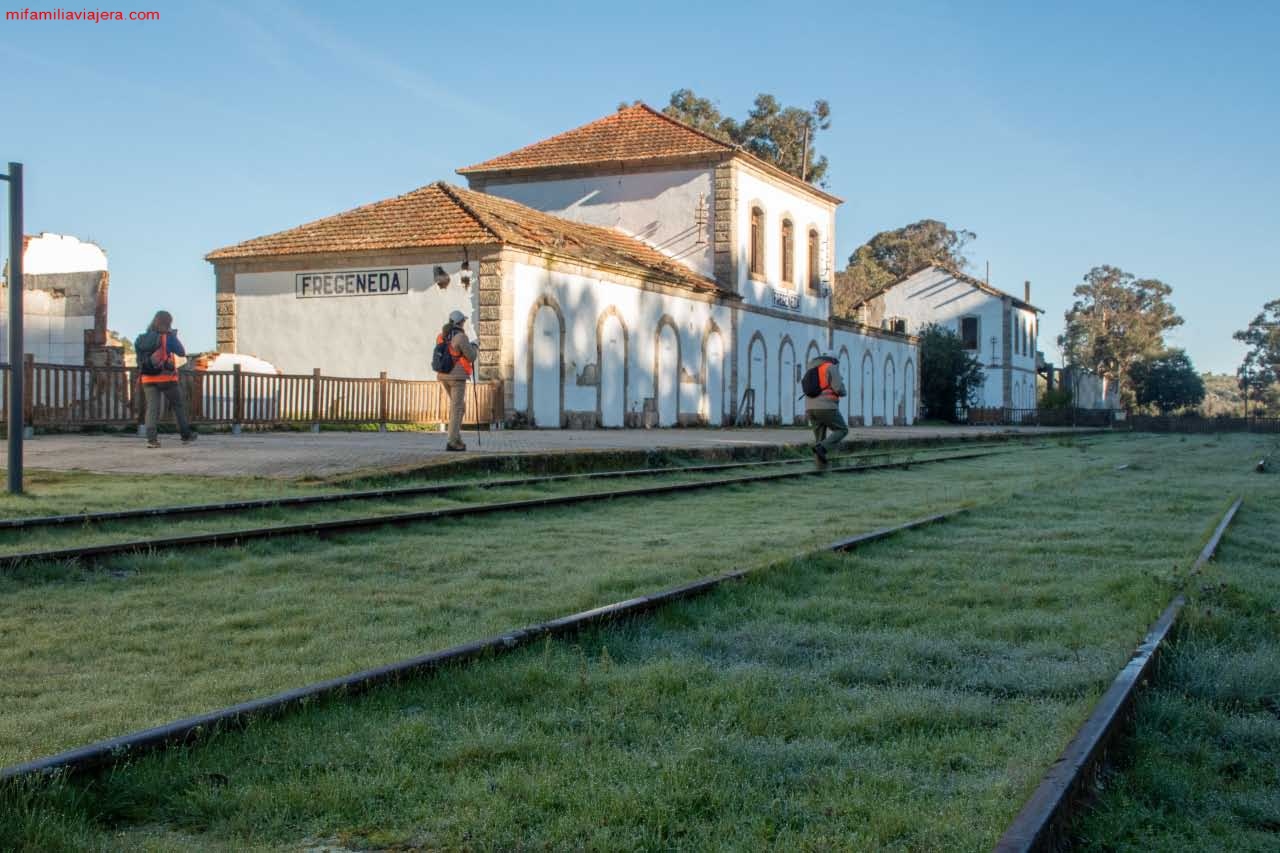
{"x": 804, "y": 157}
{"x": 16, "y": 372}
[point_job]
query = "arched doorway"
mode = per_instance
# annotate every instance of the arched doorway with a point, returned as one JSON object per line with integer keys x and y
{"x": 890, "y": 392}
{"x": 757, "y": 364}
{"x": 786, "y": 383}
{"x": 868, "y": 389}
{"x": 667, "y": 374}
{"x": 846, "y": 376}
{"x": 612, "y": 350}
{"x": 713, "y": 364}
{"x": 546, "y": 369}
{"x": 909, "y": 391}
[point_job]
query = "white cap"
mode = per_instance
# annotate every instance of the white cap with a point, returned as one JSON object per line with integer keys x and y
{"x": 457, "y": 317}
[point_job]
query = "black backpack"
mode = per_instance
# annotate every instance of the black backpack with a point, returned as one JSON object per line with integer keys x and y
{"x": 810, "y": 384}
{"x": 441, "y": 358}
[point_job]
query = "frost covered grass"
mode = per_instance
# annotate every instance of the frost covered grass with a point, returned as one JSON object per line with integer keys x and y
{"x": 1201, "y": 770}
{"x": 906, "y": 696}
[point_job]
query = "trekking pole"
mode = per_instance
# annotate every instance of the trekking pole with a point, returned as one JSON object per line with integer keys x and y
{"x": 475, "y": 402}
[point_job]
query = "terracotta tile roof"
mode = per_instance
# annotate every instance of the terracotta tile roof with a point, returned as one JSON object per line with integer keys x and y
{"x": 425, "y": 217}
{"x": 635, "y": 133}
{"x": 954, "y": 273}
{"x": 443, "y": 215}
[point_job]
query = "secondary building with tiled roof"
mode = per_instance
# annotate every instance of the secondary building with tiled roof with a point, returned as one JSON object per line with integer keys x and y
{"x": 1000, "y": 329}
{"x": 633, "y": 271}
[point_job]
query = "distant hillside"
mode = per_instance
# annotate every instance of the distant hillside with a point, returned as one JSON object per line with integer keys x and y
{"x": 1222, "y": 395}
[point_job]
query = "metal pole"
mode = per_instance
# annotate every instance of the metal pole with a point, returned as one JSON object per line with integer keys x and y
{"x": 16, "y": 372}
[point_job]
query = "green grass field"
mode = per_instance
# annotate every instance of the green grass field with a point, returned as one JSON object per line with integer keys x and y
{"x": 144, "y": 639}
{"x": 1202, "y": 768}
{"x": 906, "y": 696}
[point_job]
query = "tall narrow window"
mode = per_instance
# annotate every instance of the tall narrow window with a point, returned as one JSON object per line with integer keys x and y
{"x": 814, "y": 268}
{"x": 788, "y": 251}
{"x": 969, "y": 332}
{"x": 757, "y": 241}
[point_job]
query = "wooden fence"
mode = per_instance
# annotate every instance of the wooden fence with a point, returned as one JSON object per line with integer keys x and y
{"x": 1197, "y": 424}
{"x": 58, "y": 395}
{"x": 998, "y": 416}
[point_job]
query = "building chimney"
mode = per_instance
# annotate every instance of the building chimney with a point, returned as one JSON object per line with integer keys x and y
{"x": 1026, "y": 292}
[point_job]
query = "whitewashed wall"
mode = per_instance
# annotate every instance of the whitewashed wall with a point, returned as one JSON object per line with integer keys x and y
{"x": 805, "y": 212}
{"x": 565, "y": 356}
{"x": 766, "y": 364}
{"x": 349, "y": 335}
{"x": 935, "y": 296}
{"x": 659, "y": 208}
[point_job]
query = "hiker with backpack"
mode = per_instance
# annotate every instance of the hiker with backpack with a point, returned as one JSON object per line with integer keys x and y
{"x": 156, "y": 348}
{"x": 823, "y": 389}
{"x": 453, "y": 361}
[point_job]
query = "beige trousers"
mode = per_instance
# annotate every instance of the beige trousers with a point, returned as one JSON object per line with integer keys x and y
{"x": 457, "y": 390}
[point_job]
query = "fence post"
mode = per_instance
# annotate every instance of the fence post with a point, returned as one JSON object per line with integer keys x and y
{"x": 28, "y": 395}
{"x": 237, "y": 400}
{"x": 315, "y": 400}
{"x": 382, "y": 401}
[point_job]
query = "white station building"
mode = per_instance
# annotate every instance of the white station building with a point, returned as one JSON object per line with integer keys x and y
{"x": 996, "y": 327}
{"x": 631, "y": 272}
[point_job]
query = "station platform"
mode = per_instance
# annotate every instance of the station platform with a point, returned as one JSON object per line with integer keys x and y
{"x": 327, "y": 455}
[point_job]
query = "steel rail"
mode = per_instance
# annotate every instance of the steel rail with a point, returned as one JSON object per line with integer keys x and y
{"x": 9, "y": 562}
{"x": 188, "y": 730}
{"x": 81, "y": 519}
{"x": 1038, "y": 826}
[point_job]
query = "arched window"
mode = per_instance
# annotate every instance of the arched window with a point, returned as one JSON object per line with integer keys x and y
{"x": 814, "y": 266}
{"x": 788, "y": 251}
{"x": 757, "y": 241}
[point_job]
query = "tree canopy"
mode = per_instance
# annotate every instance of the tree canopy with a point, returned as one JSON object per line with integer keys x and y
{"x": 1259, "y": 373}
{"x": 770, "y": 131}
{"x": 949, "y": 375}
{"x": 1116, "y": 320}
{"x": 890, "y": 255}
{"x": 1167, "y": 381}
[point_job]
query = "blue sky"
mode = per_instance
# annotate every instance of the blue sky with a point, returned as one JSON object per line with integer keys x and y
{"x": 1146, "y": 136}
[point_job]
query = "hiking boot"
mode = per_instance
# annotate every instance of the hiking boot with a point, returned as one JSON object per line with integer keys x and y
{"x": 821, "y": 453}
{"x": 190, "y": 437}
{"x": 153, "y": 442}
{"x": 455, "y": 448}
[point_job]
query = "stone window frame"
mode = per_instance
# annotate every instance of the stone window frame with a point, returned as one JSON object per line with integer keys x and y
{"x": 977, "y": 332}
{"x": 813, "y": 259}
{"x": 787, "y": 251}
{"x": 757, "y": 241}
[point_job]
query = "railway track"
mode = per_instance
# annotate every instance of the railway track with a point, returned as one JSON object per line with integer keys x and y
{"x": 92, "y": 553}
{"x": 1039, "y": 825}
{"x": 190, "y": 730}
{"x": 227, "y": 507}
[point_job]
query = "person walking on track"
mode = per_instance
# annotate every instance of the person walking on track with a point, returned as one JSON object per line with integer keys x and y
{"x": 454, "y": 361}
{"x": 823, "y": 389}
{"x": 156, "y": 348}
